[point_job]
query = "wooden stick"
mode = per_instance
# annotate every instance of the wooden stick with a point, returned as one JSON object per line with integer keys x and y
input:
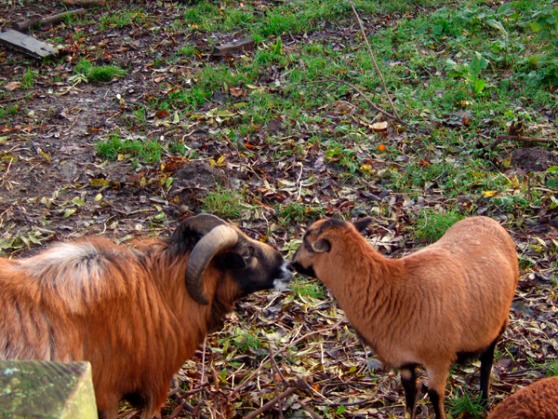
{"x": 376, "y": 67}
{"x": 37, "y": 20}
{"x": 84, "y": 2}
{"x": 527, "y": 139}
{"x": 271, "y": 403}
{"x": 359, "y": 91}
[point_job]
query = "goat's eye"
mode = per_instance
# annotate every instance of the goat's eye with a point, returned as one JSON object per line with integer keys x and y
{"x": 248, "y": 253}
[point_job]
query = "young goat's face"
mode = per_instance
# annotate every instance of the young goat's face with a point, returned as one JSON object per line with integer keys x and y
{"x": 318, "y": 242}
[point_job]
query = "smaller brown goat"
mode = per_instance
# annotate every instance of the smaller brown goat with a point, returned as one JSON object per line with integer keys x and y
{"x": 446, "y": 302}
{"x": 135, "y": 313}
{"x": 536, "y": 401}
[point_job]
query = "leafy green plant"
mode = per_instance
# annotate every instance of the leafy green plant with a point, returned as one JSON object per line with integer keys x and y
{"x": 544, "y": 64}
{"x": 432, "y": 225}
{"x": 471, "y": 72}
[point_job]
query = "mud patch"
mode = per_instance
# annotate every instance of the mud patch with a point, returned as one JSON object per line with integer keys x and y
{"x": 533, "y": 159}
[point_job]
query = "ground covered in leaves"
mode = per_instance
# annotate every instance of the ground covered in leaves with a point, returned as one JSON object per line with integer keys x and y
{"x": 150, "y": 115}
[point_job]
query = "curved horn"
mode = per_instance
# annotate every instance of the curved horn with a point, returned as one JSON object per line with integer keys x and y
{"x": 220, "y": 238}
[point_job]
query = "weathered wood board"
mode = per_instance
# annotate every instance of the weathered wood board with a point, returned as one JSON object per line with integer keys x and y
{"x": 26, "y": 44}
{"x": 42, "y": 389}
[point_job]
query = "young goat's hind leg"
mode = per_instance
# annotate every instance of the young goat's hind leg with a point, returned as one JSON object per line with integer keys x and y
{"x": 409, "y": 381}
{"x": 486, "y": 360}
{"x": 437, "y": 378}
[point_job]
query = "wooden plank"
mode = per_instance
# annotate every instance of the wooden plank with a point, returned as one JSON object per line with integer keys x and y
{"x": 238, "y": 46}
{"x": 26, "y": 44}
{"x": 43, "y": 389}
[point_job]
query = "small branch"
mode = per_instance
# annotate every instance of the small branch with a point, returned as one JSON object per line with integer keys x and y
{"x": 312, "y": 414}
{"x": 360, "y": 92}
{"x": 247, "y": 380}
{"x": 526, "y": 139}
{"x": 299, "y": 182}
{"x": 271, "y": 403}
{"x": 204, "y": 348}
{"x": 275, "y": 366}
{"x": 37, "y": 20}
{"x": 84, "y": 2}
{"x": 373, "y": 57}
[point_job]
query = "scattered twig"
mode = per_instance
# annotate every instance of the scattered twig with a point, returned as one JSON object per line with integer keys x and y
{"x": 527, "y": 139}
{"x": 84, "y": 2}
{"x": 501, "y": 138}
{"x": 37, "y": 20}
{"x": 271, "y": 403}
{"x": 12, "y": 99}
{"x": 374, "y": 62}
{"x": 185, "y": 406}
{"x": 275, "y": 366}
{"x": 247, "y": 380}
{"x": 204, "y": 347}
{"x": 298, "y": 181}
{"x": 359, "y": 91}
{"x": 312, "y": 414}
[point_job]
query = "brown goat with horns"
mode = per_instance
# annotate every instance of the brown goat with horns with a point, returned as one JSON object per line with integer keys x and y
{"x": 446, "y": 302}
{"x": 136, "y": 313}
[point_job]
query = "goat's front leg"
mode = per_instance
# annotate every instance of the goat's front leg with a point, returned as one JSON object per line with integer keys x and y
{"x": 409, "y": 381}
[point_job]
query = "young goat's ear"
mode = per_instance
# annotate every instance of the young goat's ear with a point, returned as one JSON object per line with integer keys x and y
{"x": 321, "y": 246}
{"x": 361, "y": 224}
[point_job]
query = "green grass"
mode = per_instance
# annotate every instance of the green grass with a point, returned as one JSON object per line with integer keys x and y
{"x": 459, "y": 75}
{"x": 99, "y": 74}
{"x": 304, "y": 288}
{"x": 431, "y": 225}
{"x": 550, "y": 368}
{"x": 243, "y": 341}
{"x": 29, "y": 78}
{"x": 123, "y": 18}
{"x": 7, "y": 111}
{"x": 187, "y": 50}
{"x": 115, "y": 147}
{"x": 464, "y": 405}
{"x": 223, "y": 203}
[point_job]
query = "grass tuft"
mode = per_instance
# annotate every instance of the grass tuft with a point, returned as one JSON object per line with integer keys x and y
{"x": 432, "y": 225}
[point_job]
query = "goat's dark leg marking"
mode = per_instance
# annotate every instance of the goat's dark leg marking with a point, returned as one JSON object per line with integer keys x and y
{"x": 435, "y": 399}
{"x": 486, "y": 359}
{"x": 409, "y": 381}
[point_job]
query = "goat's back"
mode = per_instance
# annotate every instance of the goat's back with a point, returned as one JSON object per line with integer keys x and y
{"x": 474, "y": 270}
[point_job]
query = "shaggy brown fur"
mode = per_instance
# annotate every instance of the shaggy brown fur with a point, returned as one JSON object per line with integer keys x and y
{"x": 536, "y": 401}
{"x": 449, "y": 299}
{"x": 125, "y": 310}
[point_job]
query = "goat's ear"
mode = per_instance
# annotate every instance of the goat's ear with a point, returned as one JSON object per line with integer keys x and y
{"x": 321, "y": 246}
{"x": 361, "y": 224}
